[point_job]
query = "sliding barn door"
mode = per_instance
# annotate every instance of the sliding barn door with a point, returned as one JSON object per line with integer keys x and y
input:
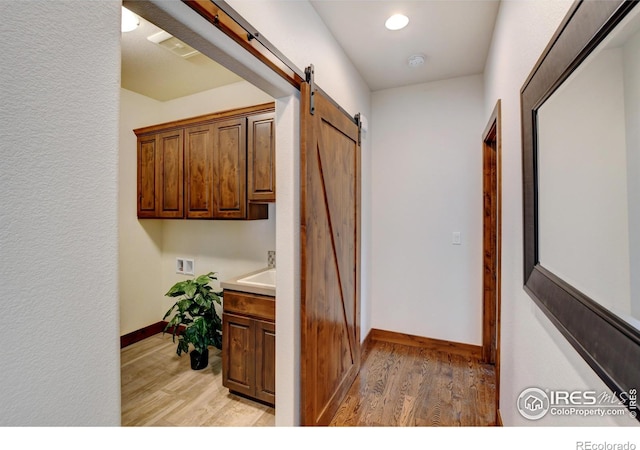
{"x": 330, "y": 259}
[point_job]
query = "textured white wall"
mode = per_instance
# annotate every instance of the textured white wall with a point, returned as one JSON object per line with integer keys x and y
{"x": 59, "y": 85}
{"x": 533, "y": 352}
{"x": 427, "y": 183}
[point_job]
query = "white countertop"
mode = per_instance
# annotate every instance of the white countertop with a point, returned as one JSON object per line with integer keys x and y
{"x": 233, "y": 285}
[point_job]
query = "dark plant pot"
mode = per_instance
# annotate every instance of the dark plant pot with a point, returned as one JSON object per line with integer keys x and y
{"x": 199, "y": 361}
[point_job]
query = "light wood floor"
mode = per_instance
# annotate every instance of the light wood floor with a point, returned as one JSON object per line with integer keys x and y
{"x": 160, "y": 389}
{"x": 398, "y": 385}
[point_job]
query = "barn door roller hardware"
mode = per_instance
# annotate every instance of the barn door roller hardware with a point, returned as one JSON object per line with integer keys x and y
{"x": 232, "y": 24}
{"x": 358, "y": 120}
{"x": 309, "y": 74}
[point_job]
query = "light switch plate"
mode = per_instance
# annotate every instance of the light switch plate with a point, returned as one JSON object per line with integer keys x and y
{"x": 456, "y": 239}
{"x": 189, "y": 267}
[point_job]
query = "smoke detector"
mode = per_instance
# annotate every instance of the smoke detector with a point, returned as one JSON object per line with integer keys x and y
{"x": 416, "y": 60}
{"x": 173, "y": 44}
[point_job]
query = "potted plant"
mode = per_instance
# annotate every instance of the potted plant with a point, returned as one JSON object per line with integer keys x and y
{"x": 195, "y": 320}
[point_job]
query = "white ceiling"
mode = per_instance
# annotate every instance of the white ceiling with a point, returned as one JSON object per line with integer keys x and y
{"x": 156, "y": 72}
{"x": 453, "y": 35}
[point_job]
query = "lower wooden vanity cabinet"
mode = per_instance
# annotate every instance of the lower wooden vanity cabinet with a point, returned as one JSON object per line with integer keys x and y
{"x": 249, "y": 345}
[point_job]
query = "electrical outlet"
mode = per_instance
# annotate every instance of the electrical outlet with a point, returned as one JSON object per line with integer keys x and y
{"x": 179, "y": 265}
{"x": 271, "y": 258}
{"x": 189, "y": 267}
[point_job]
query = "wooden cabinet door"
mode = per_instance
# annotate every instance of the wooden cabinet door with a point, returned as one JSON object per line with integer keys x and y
{"x": 238, "y": 357}
{"x": 230, "y": 169}
{"x": 198, "y": 157}
{"x": 160, "y": 175}
{"x": 261, "y": 158}
{"x": 265, "y": 361}
{"x": 147, "y": 157}
{"x": 170, "y": 174}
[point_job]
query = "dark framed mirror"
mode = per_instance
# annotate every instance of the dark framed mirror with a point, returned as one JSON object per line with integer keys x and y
{"x": 581, "y": 188}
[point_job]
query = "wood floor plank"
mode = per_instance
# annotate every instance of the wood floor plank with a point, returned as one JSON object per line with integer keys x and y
{"x": 160, "y": 389}
{"x": 398, "y": 385}
{"x": 402, "y": 385}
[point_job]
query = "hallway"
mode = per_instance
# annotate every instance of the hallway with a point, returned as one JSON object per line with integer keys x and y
{"x": 402, "y": 385}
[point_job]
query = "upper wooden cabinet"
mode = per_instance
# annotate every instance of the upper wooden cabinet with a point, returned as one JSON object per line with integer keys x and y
{"x": 216, "y": 166}
{"x": 230, "y": 168}
{"x": 160, "y": 175}
{"x": 261, "y": 154}
{"x": 198, "y": 164}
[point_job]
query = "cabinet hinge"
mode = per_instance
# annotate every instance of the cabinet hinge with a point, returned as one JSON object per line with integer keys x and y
{"x": 309, "y": 76}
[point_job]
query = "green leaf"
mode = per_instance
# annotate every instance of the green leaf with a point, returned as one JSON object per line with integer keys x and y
{"x": 175, "y": 321}
{"x": 184, "y": 304}
{"x": 203, "y": 280}
{"x": 167, "y": 313}
{"x": 190, "y": 289}
{"x": 183, "y": 347}
{"x": 177, "y": 289}
{"x": 199, "y": 299}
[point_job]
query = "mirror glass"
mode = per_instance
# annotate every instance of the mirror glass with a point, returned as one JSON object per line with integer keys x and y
{"x": 589, "y": 175}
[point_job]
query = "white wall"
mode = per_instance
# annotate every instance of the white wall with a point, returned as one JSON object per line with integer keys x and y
{"x": 58, "y": 226}
{"x": 148, "y": 248}
{"x": 533, "y": 352}
{"x": 140, "y": 241}
{"x": 427, "y": 183}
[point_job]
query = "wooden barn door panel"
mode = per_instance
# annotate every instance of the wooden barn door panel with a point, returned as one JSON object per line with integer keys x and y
{"x": 330, "y": 220}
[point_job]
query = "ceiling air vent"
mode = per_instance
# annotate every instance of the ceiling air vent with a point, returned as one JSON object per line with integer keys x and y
{"x": 173, "y": 44}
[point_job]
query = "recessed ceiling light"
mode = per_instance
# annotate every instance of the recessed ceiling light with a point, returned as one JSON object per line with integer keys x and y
{"x": 129, "y": 20}
{"x": 396, "y": 22}
{"x": 416, "y": 60}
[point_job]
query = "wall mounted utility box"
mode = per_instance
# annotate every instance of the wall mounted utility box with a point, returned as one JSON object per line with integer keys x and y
{"x": 185, "y": 266}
